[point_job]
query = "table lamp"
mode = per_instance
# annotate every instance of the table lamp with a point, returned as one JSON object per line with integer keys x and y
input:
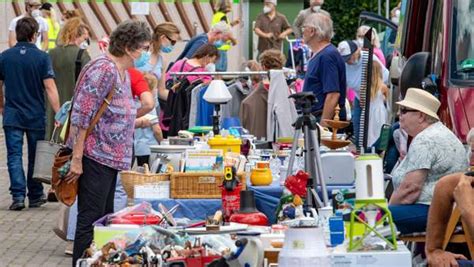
{"x": 217, "y": 94}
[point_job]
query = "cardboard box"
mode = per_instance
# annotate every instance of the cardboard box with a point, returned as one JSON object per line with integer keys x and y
{"x": 103, "y": 234}
{"x": 399, "y": 258}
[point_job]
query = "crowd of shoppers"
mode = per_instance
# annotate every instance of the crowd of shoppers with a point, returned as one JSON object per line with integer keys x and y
{"x": 132, "y": 72}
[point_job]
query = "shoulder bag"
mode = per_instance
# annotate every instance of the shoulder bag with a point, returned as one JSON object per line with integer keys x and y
{"x": 66, "y": 192}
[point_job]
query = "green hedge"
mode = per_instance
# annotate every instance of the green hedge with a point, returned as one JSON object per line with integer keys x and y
{"x": 345, "y": 14}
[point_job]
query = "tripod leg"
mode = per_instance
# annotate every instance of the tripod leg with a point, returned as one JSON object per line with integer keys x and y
{"x": 293, "y": 152}
{"x": 310, "y": 164}
{"x": 316, "y": 160}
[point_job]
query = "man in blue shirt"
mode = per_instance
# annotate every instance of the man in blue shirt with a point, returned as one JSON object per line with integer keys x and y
{"x": 27, "y": 73}
{"x": 218, "y": 35}
{"x": 326, "y": 74}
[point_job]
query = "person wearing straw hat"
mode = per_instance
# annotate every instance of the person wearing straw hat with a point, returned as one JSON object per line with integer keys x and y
{"x": 433, "y": 153}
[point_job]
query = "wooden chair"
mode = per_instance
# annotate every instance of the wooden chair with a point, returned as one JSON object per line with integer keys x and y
{"x": 449, "y": 236}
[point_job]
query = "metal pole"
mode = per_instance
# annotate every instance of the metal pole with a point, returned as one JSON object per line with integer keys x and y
{"x": 379, "y": 7}
{"x": 387, "y": 9}
{"x": 292, "y": 54}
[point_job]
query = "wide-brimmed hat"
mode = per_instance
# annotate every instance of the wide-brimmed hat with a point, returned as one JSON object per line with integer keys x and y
{"x": 422, "y": 101}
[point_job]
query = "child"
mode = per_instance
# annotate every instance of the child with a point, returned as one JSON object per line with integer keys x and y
{"x": 378, "y": 112}
{"x": 147, "y": 128}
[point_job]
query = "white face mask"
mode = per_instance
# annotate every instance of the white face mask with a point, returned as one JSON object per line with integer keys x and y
{"x": 84, "y": 45}
{"x": 316, "y": 8}
{"x": 396, "y": 19}
{"x": 211, "y": 67}
{"x": 36, "y": 13}
{"x": 267, "y": 9}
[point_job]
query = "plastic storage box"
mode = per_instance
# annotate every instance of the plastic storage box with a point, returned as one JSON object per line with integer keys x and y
{"x": 227, "y": 144}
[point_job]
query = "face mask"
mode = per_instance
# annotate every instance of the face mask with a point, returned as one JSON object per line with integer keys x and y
{"x": 396, "y": 19}
{"x": 142, "y": 60}
{"x": 218, "y": 43}
{"x": 267, "y": 9}
{"x": 360, "y": 42}
{"x": 211, "y": 67}
{"x": 84, "y": 45}
{"x": 316, "y": 8}
{"x": 167, "y": 49}
{"x": 36, "y": 13}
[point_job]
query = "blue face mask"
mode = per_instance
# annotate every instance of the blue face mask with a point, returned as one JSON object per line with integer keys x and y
{"x": 142, "y": 60}
{"x": 167, "y": 49}
{"x": 218, "y": 43}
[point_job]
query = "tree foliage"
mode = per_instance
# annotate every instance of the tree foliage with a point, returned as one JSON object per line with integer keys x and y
{"x": 345, "y": 15}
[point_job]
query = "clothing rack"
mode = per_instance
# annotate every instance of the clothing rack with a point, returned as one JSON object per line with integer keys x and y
{"x": 228, "y": 73}
{"x": 223, "y": 73}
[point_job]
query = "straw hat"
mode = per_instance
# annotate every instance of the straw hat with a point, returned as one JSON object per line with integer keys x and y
{"x": 422, "y": 101}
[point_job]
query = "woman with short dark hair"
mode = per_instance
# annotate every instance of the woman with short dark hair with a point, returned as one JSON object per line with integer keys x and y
{"x": 203, "y": 60}
{"x": 99, "y": 156}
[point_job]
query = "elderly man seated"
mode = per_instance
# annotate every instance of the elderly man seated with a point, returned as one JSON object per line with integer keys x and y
{"x": 433, "y": 153}
{"x": 452, "y": 188}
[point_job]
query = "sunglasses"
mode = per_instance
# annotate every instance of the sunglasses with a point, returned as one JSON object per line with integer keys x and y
{"x": 173, "y": 42}
{"x": 405, "y": 110}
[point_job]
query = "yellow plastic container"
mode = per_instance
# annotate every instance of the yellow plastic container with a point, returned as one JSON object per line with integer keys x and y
{"x": 227, "y": 144}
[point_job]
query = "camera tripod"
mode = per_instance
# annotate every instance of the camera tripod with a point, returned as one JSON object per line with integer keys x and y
{"x": 306, "y": 123}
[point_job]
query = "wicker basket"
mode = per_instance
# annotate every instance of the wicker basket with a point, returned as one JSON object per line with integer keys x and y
{"x": 199, "y": 185}
{"x": 132, "y": 178}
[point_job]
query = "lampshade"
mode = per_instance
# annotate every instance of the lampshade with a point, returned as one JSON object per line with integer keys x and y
{"x": 217, "y": 93}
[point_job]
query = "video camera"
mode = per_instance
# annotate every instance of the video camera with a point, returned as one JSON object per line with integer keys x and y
{"x": 304, "y": 101}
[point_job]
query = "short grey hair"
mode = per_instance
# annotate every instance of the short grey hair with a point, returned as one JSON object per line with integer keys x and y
{"x": 430, "y": 119}
{"x": 221, "y": 27}
{"x": 322, "y": 23}
{"x": 470, "y": 136}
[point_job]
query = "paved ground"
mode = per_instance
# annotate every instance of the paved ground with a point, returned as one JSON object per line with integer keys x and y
{"x": 26, "y": 237}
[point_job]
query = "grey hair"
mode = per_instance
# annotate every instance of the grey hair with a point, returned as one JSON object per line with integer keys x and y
{"x": 322, "y": 23}
{"x": 470, "y": 136}
{"x": 222, "y": 27}
{"x": 129, "y": 35}
{"x": 430, "y": 119}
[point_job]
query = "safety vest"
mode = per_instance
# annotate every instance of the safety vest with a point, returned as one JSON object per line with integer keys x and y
{"x": 53, "y": 31}
{"x": 216, "y": 19}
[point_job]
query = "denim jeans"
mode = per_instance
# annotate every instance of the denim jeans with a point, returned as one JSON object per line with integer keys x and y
{"x": 410, "y": 218}
{"x": 18, "y": 182}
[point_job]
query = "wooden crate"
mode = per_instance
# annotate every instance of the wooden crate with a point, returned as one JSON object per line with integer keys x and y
{"x": 199, "y": 185}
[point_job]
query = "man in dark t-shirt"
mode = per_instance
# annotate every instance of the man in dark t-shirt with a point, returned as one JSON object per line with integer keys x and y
{"x": 326, "y": 74}
{"x": 27, "y": 74}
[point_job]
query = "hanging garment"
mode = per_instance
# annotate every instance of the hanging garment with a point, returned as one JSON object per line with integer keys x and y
{"x": 178, "y": 105}
{"x": 281, "y": 111}
{"x": 205, "y": 111}
{"x": 232, "y": 108}
{"x": 253, "y": 112}
{"x": 193, "y": 110}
